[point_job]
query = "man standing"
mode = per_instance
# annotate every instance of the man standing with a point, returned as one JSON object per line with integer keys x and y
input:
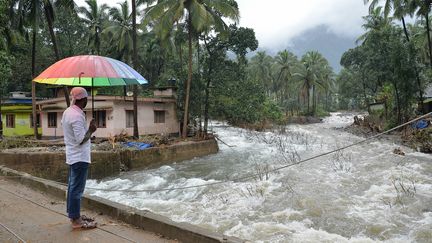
{"x": 77, "y": 141}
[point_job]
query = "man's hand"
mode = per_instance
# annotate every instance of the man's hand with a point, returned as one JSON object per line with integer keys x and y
{"x": 92, "y": 126}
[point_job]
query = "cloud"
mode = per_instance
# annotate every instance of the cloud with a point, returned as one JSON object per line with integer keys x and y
{"x": 276, "y": 22}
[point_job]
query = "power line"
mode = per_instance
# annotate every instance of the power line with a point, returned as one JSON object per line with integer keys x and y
{"x": 255, "y": 175}
{"x": 269, "y": 171}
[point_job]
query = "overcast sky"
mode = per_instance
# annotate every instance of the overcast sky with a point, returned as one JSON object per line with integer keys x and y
{"x": 276, "y": 22}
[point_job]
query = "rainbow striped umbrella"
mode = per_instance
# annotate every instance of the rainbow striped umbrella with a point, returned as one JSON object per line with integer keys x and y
{"x": 90, "y": 70}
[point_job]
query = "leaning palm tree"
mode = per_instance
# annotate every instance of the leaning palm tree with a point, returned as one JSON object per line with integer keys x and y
{"x": 200, "y": 16}
{"x": 34, "y": 9}
{"x": 422, "y": 8}
{"x": 400, "y": 9}
{"x": 94, "y": 16}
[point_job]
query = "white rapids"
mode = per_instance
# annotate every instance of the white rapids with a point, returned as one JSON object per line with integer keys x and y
{"x": 363, "y": 194}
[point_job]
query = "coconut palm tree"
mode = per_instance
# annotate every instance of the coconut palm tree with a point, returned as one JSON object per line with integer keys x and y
{"x": 260, "y": 67}
{"x": 400, "y": 9}
{"x": 285, "y": 64}
{"x": 422, "y": 8}
{"x": 34, "y": 8}
{"x": 94, "y": 16}
{"x": 200, "y": 16}
{"x": 310, "y": 76}
{"x": 120, "y": 32}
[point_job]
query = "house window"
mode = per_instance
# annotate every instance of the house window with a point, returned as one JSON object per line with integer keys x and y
{"x": 159, "y": 116}
{"x": 37, "y": 120}
{"x": 129, "y": 119}
{"x": 10, "y": 120}
{"x": 52, "y": 119}
{"x": 100, "y": 118}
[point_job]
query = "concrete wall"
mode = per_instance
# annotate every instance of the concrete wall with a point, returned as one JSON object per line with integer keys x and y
{"x": 51, "y": 165}
{"x": 51, "y": 131}
{"x": 152, "y": 157}
{"x": 146, "y": 123}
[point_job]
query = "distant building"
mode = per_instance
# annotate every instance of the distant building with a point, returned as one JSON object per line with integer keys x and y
{"x": 114, "y": 114}
{"x": 427, "y": 102}
{"x": 16, "y": 115}
{"x": 377, "y": 106}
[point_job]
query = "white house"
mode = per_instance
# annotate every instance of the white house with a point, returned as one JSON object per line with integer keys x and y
{"x": 114, "y": 114}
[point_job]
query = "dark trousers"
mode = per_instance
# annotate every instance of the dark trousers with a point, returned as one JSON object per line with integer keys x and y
{"x": 76, "y": 183}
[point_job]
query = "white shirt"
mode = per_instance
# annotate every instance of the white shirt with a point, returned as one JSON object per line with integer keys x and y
{"x": 74, "y": 130}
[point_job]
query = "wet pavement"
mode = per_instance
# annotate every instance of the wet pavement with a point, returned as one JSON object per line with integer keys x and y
{"x": 30, "y": 216}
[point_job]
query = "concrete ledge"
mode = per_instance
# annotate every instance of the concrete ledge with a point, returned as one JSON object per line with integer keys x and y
{"x": 51, "y": 165}
{"x": 143, "y": 219}
{"x": 158, "y": 156}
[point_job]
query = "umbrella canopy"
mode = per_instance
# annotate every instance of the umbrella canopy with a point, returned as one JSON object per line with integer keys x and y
{"x": 90, "y": 70}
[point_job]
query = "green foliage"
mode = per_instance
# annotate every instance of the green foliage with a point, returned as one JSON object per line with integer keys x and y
{"x": 244, "y": 102}
{"x": 95, "y": 17}
{"x": 5, "y": 72}
{"x": 396, "y": 63}
{"x": 237, "y": 89}
{"x": 272, "y": 112}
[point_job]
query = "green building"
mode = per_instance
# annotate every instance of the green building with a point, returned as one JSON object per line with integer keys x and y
{"x": 16, "y": 115}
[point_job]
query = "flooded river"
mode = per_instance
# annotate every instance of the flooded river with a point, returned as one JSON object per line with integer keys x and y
{"x": 363, "y": 194}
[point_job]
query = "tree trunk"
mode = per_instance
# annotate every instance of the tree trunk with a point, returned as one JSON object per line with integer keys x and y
{"x": 429, "y": 38}
{"x": 415, "y": 67}
{"x": 97, "y": 42}
{"x": 206, "y": 101}
{"x": 397, "y": 103}
{"x": 405, "y": 29}
{"x": 188, "y": 83}
{"x": 200, "y": 128}
{"x": 1, "y": 121}
{"x": 207, "y": 89}
{"x": 49, "y": 19}
{"x": 135, "y": 65}
{"x": 326, "y": 100}
{"x": 308, "y": 98}
{"x": 180, "y": 49}
{"x": 34, "y": 114}
{"x": 313, "y": 100}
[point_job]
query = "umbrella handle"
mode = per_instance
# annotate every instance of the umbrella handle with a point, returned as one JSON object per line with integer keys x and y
{"x": 79, "y": 77}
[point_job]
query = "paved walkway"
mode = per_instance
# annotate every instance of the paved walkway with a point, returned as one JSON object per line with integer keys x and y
{"x": 30, "y": 216}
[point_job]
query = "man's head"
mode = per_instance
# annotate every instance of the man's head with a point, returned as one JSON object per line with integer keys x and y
{"x": 79, "y": 97}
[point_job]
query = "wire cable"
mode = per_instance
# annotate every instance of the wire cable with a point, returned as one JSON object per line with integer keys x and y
{"x": 40, "y": 205}
{"x": 10, "y": 231}
{"x": 239, "y": 179}
{"x": 255, "y": 175}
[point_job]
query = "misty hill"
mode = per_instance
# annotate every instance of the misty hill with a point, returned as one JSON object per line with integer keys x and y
{"x": 321, "y": 39}
{"x": 326, "y": 42}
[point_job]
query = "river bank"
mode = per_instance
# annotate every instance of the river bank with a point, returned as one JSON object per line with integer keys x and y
{"x": 417, "y": 139}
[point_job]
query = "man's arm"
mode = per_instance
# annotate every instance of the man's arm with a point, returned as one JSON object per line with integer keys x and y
{"x": 91, "y": 129}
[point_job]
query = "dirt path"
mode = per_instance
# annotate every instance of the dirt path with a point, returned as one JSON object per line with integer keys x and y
{"x": 30, "y": 216}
